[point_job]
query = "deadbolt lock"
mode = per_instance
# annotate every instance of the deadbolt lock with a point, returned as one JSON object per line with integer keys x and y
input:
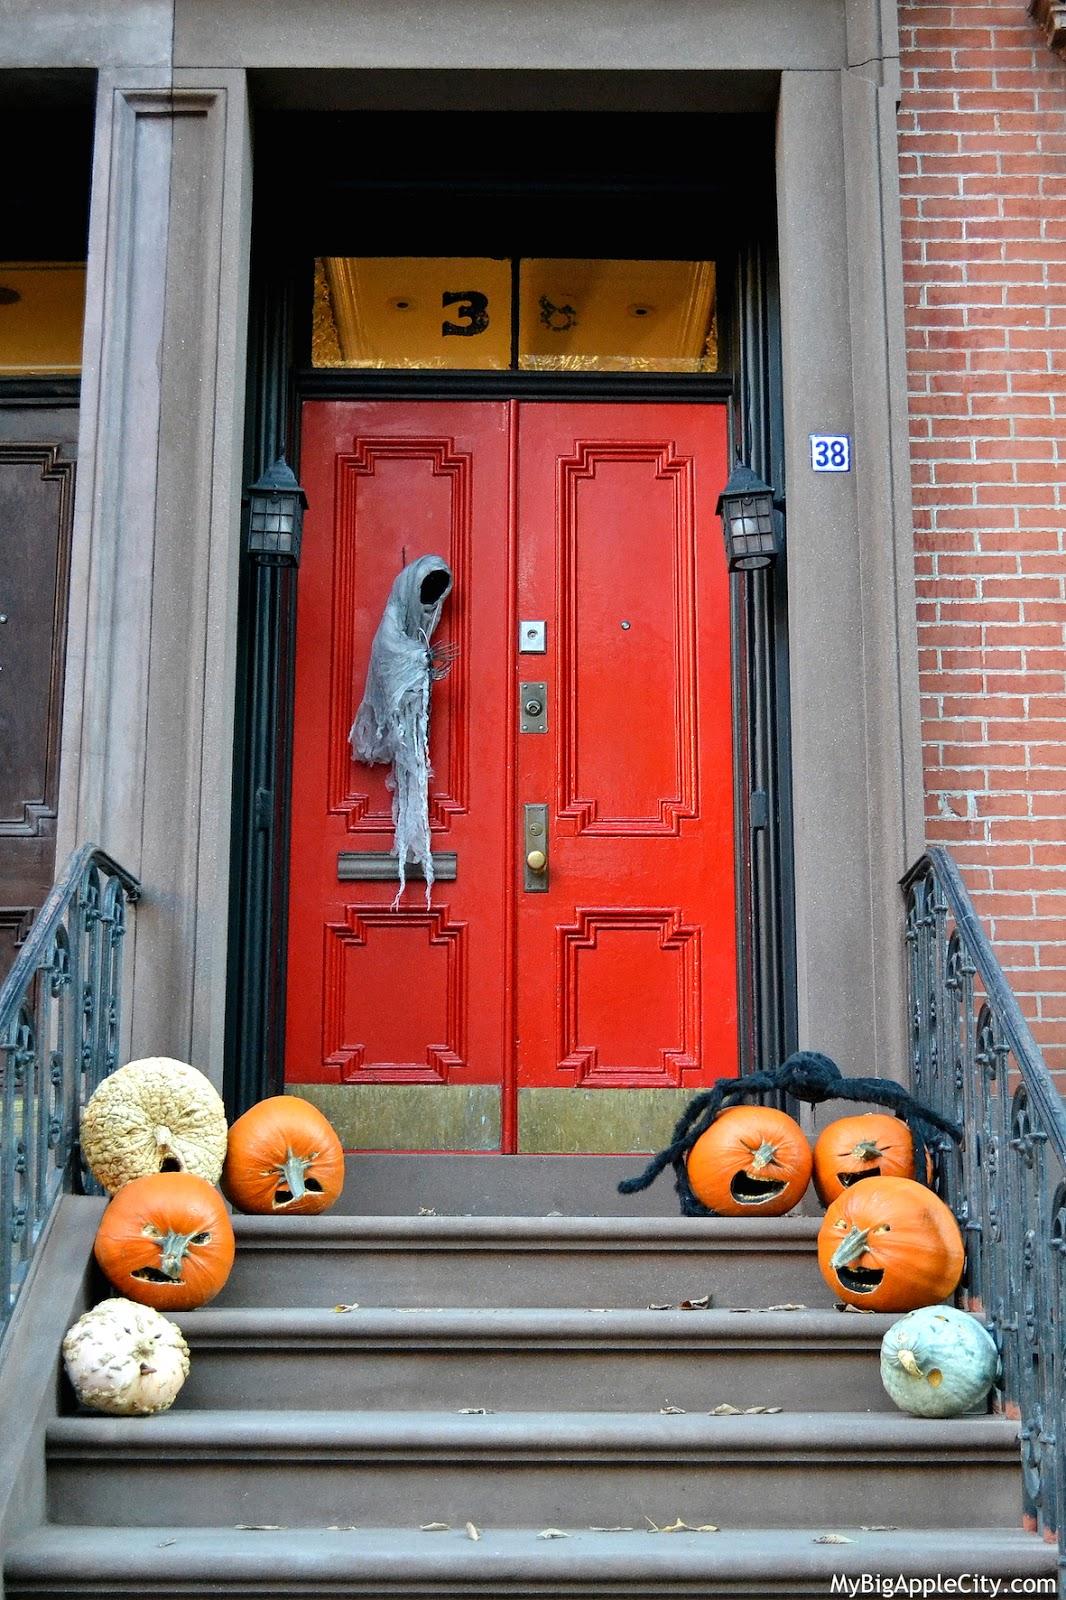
{"x": 533, "y": 707}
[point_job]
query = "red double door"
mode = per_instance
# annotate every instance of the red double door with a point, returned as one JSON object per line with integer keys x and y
{"x": 586, "y": 717}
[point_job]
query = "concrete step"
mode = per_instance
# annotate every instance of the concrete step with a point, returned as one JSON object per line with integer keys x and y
{"x": 524, "y": 1261}
{"x": 313, "y": 1468}
{"x": 384, "y": 1183}
{"x": 508, "y": 1360}
{"x": 178, "y": 1563}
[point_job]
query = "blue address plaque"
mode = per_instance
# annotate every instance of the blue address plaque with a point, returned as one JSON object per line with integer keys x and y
{"x": 830, "y": 452}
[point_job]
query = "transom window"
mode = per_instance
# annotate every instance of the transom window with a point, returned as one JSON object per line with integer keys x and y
{"x": 532, "y": 314}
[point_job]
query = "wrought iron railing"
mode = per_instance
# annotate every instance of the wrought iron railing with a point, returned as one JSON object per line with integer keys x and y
{"x": 975, "y": 1059}
{"x": 59, "y": 1036}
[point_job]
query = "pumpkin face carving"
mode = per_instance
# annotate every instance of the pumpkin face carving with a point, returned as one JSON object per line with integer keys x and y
{"x": 166, "y": 1241}
{"x": 890, "y": 1244}
{"x": 855, "y": 1149}
{"x": 752, "y": 1160}
{"x": 283, "y": 1155}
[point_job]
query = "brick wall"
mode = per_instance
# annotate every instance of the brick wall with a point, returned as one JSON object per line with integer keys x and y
{"x": 983, "y": 178}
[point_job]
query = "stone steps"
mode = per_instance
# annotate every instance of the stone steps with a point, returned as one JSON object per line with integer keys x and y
{"x": 403, "y": 1563}
{"x": 523, "y": 1262}
{"x": 510, "y": 1360}
{"x": 545, "y": 1324}
{"x": 311, "y": 1469}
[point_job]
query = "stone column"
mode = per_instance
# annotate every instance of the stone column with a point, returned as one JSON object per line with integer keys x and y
{"x": 856, "y": 747}
{"x": 147, "y": 754}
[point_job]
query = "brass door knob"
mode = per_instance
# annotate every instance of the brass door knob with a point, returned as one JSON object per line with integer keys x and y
{"x": 536, "y": 861}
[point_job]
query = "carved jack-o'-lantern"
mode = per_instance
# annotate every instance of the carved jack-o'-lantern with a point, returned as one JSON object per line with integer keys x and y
{"x": 166, "y": 1241}
{"x": 856, "y": 1149}
{"x": 751, "y": 1160}
{"x": 283, "y": 1155}
{"x": 890, "y": 1244}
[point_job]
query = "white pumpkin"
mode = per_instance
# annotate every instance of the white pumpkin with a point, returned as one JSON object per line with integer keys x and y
{"x": 938, "y": 1361}
{"x": 155, "y": 1115}
{"x": 125, "y": 1359}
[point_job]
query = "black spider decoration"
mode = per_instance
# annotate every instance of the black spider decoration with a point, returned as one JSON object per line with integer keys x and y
{"x": 806, "y": 1075}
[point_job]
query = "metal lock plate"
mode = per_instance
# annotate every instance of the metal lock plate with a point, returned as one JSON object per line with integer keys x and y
{"x": 533, "y": 707}
{"x": 532, "y": 638}
{"x": 534, "y": 846}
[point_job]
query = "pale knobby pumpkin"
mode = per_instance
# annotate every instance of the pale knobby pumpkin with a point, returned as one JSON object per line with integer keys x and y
{"x": 155, "y": 1115}
{"x": 938, "y": 1362}
{"x": 125, "y": 1359}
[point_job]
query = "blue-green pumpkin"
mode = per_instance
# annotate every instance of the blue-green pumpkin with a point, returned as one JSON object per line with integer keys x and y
{"x": 938, "y": 1362}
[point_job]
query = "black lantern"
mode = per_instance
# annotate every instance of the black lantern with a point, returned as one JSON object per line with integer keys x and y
{"x": 276, "y": 506}
{"x": 746, "y": 507}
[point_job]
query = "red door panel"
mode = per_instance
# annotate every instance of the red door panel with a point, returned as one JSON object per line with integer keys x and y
{"x": 597, "y": 520}
{"x": 627, "y": 963}
{"x": 376, "y": 995}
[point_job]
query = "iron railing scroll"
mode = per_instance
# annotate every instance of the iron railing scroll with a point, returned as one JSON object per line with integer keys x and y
{"x": 59, "y": 1036}
{"x": 974, "y": 1059}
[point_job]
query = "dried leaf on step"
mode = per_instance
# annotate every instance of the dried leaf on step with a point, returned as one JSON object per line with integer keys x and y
{"x": 833, "y": 1538}
{"x": 472, "y": 1532}
{"x": 353, "y": 1307}
{"x": 698, "y": 1302}
{"x": 259, "y": 1527}
{"x": 880, "y": 1527}
{"x": 435, "y": 1527}
{"x": 427, "y": 1211}
{"x": 761, "y": 1411}
{"x": 787, "y": 1305}
{"x": 612, "y": 1530}
{"x": 475, "y": 1411}
{"x": 726, "y": 1411}
{"x": 552, "y": 1533}
{"x": 672, "y": 1411}
{"x": 683, "y": 1527}
{"x": 341, "y": 1527}
{"x": 863, "y": 1311}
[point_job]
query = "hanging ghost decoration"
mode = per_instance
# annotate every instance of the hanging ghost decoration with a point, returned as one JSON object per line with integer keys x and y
{"x": 391, "y": 726}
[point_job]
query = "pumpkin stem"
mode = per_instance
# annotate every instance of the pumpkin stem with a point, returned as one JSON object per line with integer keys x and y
{"x": 173, "y": 1250}
{"x": 765, "y": 1156}
{"x": 907, "y": 1361}
{"x": 850, "y": 1248}
{"x": 867, "y": 1150}
{"x": 293, "y": 1169}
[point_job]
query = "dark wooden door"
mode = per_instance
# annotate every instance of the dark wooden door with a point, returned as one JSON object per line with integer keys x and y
{"x": 37, "y": 449}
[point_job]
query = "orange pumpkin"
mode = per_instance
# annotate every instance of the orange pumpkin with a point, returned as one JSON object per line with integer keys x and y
{"x": 166, "y": 1241}
{"x": 752, "y": 1159}
{"x": 283, "y": 1155}
{"x": 858, "y": 1148}
{"x": 890, "y": 1244}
